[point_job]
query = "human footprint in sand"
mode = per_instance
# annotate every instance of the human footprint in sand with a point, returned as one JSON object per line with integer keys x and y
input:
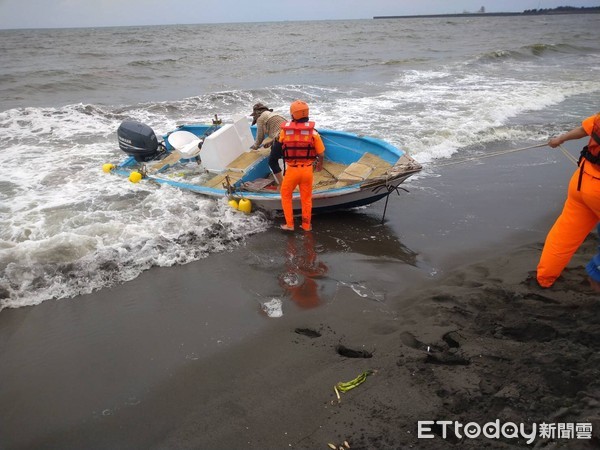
{"x": 581, "y": 211}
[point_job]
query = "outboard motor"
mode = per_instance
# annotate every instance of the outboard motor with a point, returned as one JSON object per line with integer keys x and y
{"x": 138, "y": 140}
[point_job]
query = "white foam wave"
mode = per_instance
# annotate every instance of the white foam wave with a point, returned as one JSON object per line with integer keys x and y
{"x": 67, "y": 228}
{"x": 101, "y": 246}
{"x": 434, "y": 114}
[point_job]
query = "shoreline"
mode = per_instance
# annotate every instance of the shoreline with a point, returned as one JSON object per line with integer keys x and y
{"x": 439, "y": 296}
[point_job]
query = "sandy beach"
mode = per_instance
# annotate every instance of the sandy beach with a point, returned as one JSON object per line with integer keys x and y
{"x": 438, "y": 301}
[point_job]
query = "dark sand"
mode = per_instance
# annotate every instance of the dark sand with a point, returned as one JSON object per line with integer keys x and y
{"x": 440, "y": 295}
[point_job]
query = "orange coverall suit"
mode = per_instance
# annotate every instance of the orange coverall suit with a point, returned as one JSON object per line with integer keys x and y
{"x": 299, "y": 172}
{"x": 579, "y": 216}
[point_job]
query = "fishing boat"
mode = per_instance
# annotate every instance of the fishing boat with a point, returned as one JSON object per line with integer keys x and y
{"x": 215, "y": 160}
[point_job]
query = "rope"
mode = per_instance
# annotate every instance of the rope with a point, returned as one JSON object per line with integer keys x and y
{"x": 328, "y": 139}
{"x": 489, "y": 155}
{"x": 329, "y": 173}
{"x": 568, "y": 155}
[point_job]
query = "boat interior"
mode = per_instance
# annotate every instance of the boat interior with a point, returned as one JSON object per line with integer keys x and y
{"x": 227, "y": 161}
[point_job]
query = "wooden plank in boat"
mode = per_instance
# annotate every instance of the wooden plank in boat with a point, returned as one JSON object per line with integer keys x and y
{"x": 322, "y": 179}
{"x": 170, "y": 159}
{"x": 244, "y": 161}
{"x": 379, "y": 171}
{"x": 329, "y": 174}
{"x": 218, "y": 180}
{"x": 257, "y": 185}
{"x": 374, "y": 161}
{"x": 334, "y": 168}
{"x": 356, "y": 171}
{"x": 379, "y": 165}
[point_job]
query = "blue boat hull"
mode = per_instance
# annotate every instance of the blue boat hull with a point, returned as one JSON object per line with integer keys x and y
{"x": 342, "y": 149}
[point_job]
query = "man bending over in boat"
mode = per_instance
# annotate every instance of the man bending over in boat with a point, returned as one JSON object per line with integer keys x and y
{"x": 268, "y": 126}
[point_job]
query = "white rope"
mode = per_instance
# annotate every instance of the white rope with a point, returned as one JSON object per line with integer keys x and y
{"x": 328, "y": 139}
{"x": 568, "y": 155}
{"x": 489, "y": 155}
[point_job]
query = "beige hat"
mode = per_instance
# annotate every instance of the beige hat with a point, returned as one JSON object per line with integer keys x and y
{"x": 257, "y": 110}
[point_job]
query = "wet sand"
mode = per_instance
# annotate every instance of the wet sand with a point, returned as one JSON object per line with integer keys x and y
{"x": 439, "y": 296}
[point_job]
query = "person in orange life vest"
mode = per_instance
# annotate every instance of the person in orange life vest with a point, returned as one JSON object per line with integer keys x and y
{"x": 581, "y": 211}
{"x": 302, "y": 146}
{"x": 302, "y": 271}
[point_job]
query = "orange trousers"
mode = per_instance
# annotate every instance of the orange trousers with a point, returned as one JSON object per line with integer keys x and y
{"x": 579, "y": 216}
{"x": 303, "y": 177}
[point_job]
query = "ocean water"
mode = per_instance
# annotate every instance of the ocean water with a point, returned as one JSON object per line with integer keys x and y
{"x": 438, "y": 88}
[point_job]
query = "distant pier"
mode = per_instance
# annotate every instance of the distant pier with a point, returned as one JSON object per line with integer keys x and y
{"x": 534, "y": 12}
{"x": 426, "y": 16}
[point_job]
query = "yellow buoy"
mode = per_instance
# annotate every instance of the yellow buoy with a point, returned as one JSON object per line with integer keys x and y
{"x": 233, "y": 203}
{"x": 245, "y": 205}
{"x": 135, "y": 177}
{"x": 107, "y": 167}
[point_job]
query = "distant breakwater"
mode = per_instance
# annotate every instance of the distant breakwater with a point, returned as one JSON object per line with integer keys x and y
{"x": 498, "y": 14}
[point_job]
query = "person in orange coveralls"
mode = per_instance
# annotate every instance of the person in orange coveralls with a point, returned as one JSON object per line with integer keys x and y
{"x": 302, "y": 146}
{"x": 581, "y": 211}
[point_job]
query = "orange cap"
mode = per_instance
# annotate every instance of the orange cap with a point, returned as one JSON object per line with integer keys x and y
{"x": 299, "y": 110}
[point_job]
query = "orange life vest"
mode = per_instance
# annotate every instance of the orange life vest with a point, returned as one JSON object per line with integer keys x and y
{"x": 298, "y": 142}
{"x": 591, "y": 152}
{"x": 594, "y": 144}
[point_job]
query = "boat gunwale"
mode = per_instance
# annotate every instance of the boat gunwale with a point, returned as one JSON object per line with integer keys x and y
{"x": 378, "y": 147}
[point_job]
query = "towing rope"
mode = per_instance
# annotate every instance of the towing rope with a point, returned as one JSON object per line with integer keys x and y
{"x": 568, "y": 155}
{"x": 489, "y": 155}
{"x": 504, "y": 152}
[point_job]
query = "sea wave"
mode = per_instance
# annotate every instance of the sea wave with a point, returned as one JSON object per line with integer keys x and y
{"x": 67, "y": 228}
{"x": 154, "y": 62}
{"x": 531, "y": 52}
{"x": 58, "y": 254}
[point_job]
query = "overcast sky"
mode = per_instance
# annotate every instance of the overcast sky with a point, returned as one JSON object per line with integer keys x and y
{"x": 92, "y": 13}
